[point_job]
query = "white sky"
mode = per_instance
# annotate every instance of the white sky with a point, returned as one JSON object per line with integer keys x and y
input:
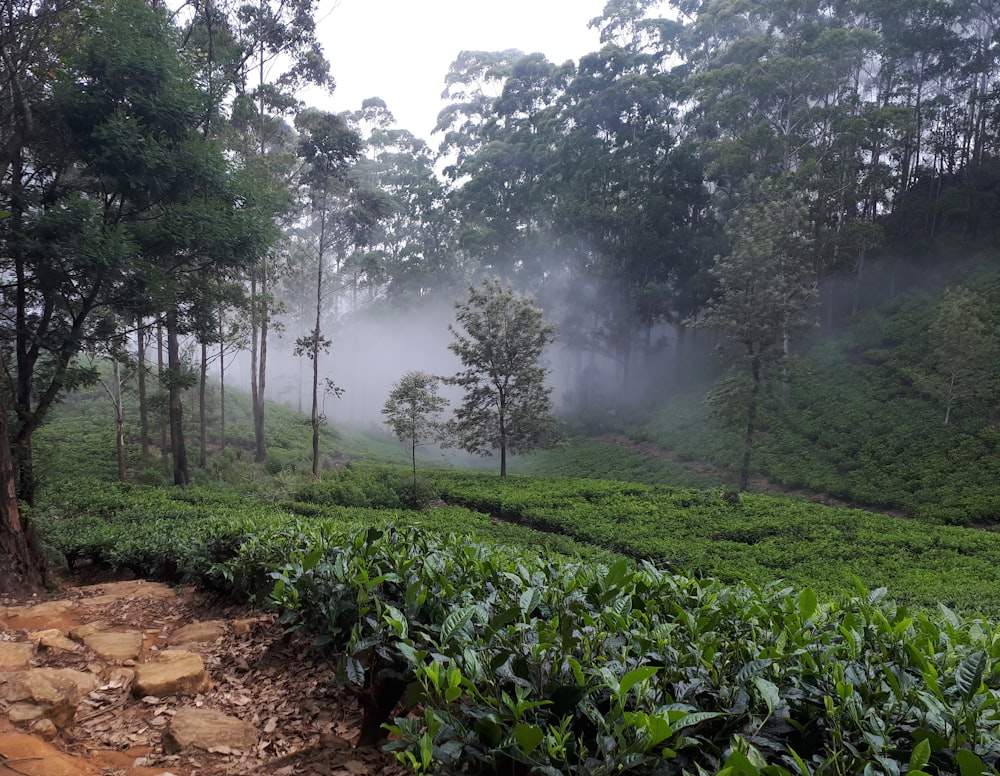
{"x": 400, "y": 50}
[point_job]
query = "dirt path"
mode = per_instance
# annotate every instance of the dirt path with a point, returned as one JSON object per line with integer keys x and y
{"x": 278, "y": 685}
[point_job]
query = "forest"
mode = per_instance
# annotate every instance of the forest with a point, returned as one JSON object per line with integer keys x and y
{"x": 740, "y": 259}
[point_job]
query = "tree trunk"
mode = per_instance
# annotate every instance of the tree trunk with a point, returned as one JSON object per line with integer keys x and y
{"x": 222, "y": 393}
{"x": 176, "y": 411}
{"x": 751, "y": 421}
{"x": 116, "y": 399}
{"x": 315, "y": 351}
{"x": 143, "y": 409}
{"x": 315, "y": 411}
{"x": 413, "y": 457}
{"x": 203, "y": 409}
{"x": 258, "y": 359}
{"x": 161, "y": 371}
{"x": 786, "y": 370}
{"x": 859, "y": 275}
{"x": 20, "y": 549}
{"x": 503, "y": 439}
{"x": 950, "y": 399}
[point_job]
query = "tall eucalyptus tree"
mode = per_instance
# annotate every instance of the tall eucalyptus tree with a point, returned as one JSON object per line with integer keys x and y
{"x": 281, "y": 56}
{"x": 329, "y": 147}
{"x": 33, "y": 36}
{"x": 410, "y": 254}
{"x": 765, "y": 288}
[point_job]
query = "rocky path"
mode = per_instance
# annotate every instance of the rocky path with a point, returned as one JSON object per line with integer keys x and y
{"x": 134, "y": 678}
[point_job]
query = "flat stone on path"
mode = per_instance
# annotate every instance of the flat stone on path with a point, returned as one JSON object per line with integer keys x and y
{"x": 209, "y": 730}
{"x": 173, "y": 672}
{"x": 15, "y": 654}
{"x": 114, "y": 645}
{"x": 198, "y": 633}
{"x": 44, "y": 693}
{"x": 53, "y": 640}
{"x": 37, "y": 616}
{"x": 112, "y": 592}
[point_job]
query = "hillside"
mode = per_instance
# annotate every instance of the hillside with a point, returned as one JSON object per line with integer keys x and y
{"x": 502, "y": 567}
{"x": 865, "y": 424}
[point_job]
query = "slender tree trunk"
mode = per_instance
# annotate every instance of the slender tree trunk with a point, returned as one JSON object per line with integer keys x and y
{"x": 19, "y": 546}
{"x": 258, "y": 358}
{"x": 413, "y": 457}
{"x": 314, "y": 347}
{"x": 316, "y": 344}
{"x": 858, "y": 281}
{"x": 950, "y": 400}
{"x": 161, "y": 370}
{"x": 20, "y": 450}
{"x": 254, "y": 341}
{"x": 203, "y": 409}
{"x": 222, "y": 393}
{"x": 263, "y": 303}
{"x": 143, "y": 409}
{"x": 116, "y": 400}
{"x": 751, "y": 420}
{"x": 786, "y": 370}
{"x": 315, "y": 416}
{"x": 176, "y": 410}
{"x": 503, "y": 438}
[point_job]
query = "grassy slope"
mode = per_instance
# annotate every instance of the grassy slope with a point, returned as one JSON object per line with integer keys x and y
{"x": 759, "y": 539}
{"x": 858, "y": 428}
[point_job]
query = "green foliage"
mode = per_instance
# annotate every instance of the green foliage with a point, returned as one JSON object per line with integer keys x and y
{"x": 413, "y": 412}
{"x": 506, "y": 405}
{"x": 356, "y": 487}
{"x": 964, "y": 351}
{"x": 413, "y": 406}
{"x": 859, "y": 427}
{"x": 594, "y": 459}
{"x": 752, "y": 538}
{"x": 526, "y": 660}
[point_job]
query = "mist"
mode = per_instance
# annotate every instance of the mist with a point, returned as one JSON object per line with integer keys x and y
{"x": 373, "y": 345}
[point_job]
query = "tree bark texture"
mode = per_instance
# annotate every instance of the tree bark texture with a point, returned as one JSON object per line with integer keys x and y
{"x": 176, "y": 411}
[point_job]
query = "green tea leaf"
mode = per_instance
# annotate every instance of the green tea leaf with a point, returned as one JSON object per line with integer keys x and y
{"x": 658, "y": 728}
{"x": 921, "y": 755}
{"x": 634, "y": 677}
{"x": 455, "y": 622}
{"x": 751, "y": 669}
{"x": 738, "y": 764}
{"x": 769, "y": 692}
{"x": 529, "y": 600}
{"x": 969, "y": 764}
{"x": 616, "y": 574}
{"x": 528, "y": 737}
{"x": 969, "y": 674}
{"x": 807, "y": 603}
{"x": 355, "y": 671}
{"x": 693, "y": 718}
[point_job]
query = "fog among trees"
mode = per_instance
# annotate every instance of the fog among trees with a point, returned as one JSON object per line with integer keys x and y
{"x": 753, "y": 175}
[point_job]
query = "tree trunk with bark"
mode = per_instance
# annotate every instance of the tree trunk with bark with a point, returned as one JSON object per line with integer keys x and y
{"x": 203, "y": 409}
{"x": 751, "y": 419}
{"x": 176, "y": 407}
{"x": 258, "y": 358}
{"x": 143, "y": 407}
{"x": 20, "y": 551}
{"x": 222, "y": 394}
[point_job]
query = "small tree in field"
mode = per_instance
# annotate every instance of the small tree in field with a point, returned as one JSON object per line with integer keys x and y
{"x": 965, "y": 349}
{"x": 506, "y": 406}
{"x": 413, "y": 411}
{"x": 765, "y": 289}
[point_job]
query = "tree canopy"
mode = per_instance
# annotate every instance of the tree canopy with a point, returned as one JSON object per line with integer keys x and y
{"x": 500, "y": 338}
